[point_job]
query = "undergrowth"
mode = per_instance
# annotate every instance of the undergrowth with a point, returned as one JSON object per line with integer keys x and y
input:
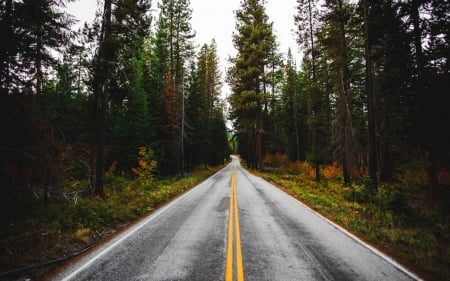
{"x": 42, "y": 232}
{"x": 402, "y": 220}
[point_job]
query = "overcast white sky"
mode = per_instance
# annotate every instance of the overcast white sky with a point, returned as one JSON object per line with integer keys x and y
{"x": 215, "y": 19}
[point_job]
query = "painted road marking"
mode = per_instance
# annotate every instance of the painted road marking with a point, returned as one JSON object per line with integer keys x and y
{"x": 234, "y": 234}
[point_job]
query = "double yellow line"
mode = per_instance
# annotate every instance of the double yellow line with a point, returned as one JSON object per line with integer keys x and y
{"x": 234, "y": 233}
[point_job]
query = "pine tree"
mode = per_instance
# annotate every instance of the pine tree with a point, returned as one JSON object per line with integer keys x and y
{"x": 389, "y": 44}
{"x": 294, "y": 111}
{"x": 254, "y": 42}
{"x": 176, "y": 16}
{"x": 41, "y": 28}
{"x": 307, "y": 21}
{"x": 130, "y": 27}
{"x": 31, "y": 31}
{"x": 373, "y": 163}
{"x": 157, "y": 75}
{"x": 33, "y": 138}
{"x": 204, "y": 106}
{"x": 272, "y": 107}
{"x": 336, "y": 22}
{"x": 430, "y": 51}
{"x": 170, "y": 127}
{"x": 118, "y": 77}
{"x": 103, "y": 66}
{"x": 198, "y": 140}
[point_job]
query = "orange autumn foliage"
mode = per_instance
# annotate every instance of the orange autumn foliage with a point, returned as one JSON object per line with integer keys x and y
{"x": 146, "y": 162}
{"x": 331, "y": 171}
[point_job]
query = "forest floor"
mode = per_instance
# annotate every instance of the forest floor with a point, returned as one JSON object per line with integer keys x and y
{"x": 404, "y": 221}
{"x": 45, "y": 235}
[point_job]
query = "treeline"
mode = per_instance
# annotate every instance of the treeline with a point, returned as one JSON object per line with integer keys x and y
{"x": 78, "y": 104}
{"x": 371, "y": 93}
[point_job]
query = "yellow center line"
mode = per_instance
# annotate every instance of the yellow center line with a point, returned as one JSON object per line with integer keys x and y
{"x": 229, "y": 270}
{"x": 234, "y": 217}
{"x": 240, "y": 267}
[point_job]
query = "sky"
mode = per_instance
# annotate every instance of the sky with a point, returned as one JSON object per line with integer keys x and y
{"x": 215, "y": 19}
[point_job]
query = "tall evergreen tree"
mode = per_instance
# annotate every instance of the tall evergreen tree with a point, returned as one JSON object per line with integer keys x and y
{"x": 157, "y": 75}
{"x": 198, "y": 141}
{"x": 254, "y": 42}
{"x": 103, "y": 66}
{"x": 272, "y": 95}
{"x": 31, "y": 145}
{"x": 307, "y": 22}
{"x": 42, "y": 28}
{"x": 295, "y": 111}
{"x": 373, "y": 163}
{"x": 176, "y": 16}
{"x": 31, "y": 30}
{"x": 205, "y": 110}
{"x": 336, "y": 20}
{"x": 170, "y": 127}
{"x": 389, "y": 44}
{"x": 428, "y": 28}
{"x": 117, "y": 77}
{"x": 131, "y": 27}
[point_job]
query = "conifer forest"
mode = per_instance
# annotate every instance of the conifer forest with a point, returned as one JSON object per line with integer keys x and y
{"x": 131, "y": 100}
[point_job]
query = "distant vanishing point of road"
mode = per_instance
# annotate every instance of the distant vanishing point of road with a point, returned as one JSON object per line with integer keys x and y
{"x": 235, "y": 226}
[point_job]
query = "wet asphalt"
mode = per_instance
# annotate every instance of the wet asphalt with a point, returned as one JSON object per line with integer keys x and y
{"x": 281, "y": 239}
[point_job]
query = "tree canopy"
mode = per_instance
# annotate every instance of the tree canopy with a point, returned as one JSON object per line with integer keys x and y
{"x": 367, "y": 95}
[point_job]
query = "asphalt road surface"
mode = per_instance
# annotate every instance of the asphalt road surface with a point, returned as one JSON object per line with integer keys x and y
{"x": 235, "y": 226}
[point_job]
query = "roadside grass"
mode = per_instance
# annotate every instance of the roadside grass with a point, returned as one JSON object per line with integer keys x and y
{"x": 45, "y": 232}
{"x": 400, "y": 220}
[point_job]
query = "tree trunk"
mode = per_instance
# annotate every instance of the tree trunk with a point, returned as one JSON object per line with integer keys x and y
{"x": 385, "y": 161}
{"x": 347, "y": 117}
{"x": 102, "y": 88}
{"x": 313, "y": 59}
{"x": 370, "y": 103}
{"x": 421, "y": 89}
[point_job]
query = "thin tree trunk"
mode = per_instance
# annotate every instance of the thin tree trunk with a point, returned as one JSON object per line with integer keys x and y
{"x": 370, "y": 102}
{"x": 258, "y": 142}
{"x": 311, "y": 38}
{"x": 102, "y": 88}
{"x": 294, "y": 108}
{"x": 385, "y": 170}
{"x": 313, "y": 59}
{"x": 347, "y": 117}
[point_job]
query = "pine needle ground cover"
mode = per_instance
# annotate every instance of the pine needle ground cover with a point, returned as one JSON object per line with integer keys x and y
{"x": 402, "y": 220}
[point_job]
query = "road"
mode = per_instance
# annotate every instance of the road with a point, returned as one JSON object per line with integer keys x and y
{"x": 235, "y": 226}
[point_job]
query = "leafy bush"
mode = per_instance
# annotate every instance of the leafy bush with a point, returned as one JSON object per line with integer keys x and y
{"x": 147, "y": 165}
{"x": 360, "y": 193}
{"x": 331, "y": 171}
